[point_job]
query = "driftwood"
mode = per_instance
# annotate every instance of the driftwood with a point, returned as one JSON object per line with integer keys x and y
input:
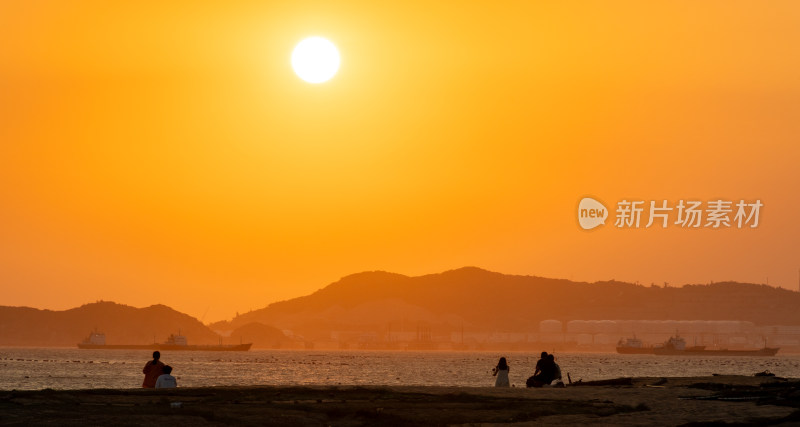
{"x": 615, "y": 381}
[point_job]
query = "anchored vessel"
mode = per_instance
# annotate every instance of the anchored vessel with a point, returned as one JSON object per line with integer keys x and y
{"x": 676, "y": 346}
{"x": 633, "y": 346}
{"x": 97, "y": 341}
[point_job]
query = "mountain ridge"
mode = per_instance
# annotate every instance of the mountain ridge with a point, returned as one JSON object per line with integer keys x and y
{"x": 468, "y": 298}
{"x": 122, "y": 324}
{"x": 484, "y": 300}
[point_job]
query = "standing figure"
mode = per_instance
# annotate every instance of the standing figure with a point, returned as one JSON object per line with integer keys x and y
{"x": 501, "y": 372}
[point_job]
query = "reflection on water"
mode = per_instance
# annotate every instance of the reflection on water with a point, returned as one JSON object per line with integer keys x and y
{"x": 61, "y": 368}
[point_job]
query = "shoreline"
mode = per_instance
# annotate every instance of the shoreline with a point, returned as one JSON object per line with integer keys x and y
{"x": 627, "y": 401}
{"x": 783, "y": 351}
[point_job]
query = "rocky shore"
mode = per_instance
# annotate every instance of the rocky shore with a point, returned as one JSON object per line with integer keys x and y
{"x": 716, "y": 400}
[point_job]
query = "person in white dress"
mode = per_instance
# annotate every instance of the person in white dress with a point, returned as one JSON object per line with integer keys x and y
{"x": 501, "y": 372}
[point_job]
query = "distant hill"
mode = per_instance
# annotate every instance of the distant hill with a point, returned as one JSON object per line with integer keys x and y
{"x": 481, "y": 300}
{"x": 468, "y": 298}
{"x": 122, "y": 324}
{"x": 261, "y": 335}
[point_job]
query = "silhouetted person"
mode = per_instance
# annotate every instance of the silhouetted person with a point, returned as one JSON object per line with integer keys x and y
{"x": 501, "y": 372}
{"x": 539, "y": 363}
{"x": 166, "y": 380}
{"x": 152, "y": 370}
{"x": 545, "y": 371}
{"x": 556, "y": 368}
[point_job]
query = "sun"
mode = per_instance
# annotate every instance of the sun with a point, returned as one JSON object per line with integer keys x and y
{"x": 315, "y": 59}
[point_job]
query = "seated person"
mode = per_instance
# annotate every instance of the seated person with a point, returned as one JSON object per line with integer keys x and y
{"x": 557, "y": 380}
{"x": 152, "y": 370}
{"x": 547, "y": 371}
{"x": 166, "y": 380}
{"x": 542, "y": 360}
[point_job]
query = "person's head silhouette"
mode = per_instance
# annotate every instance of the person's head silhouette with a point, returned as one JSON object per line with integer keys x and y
{"x": 502, "y": 364}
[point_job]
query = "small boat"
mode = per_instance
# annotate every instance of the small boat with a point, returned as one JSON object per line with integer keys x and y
{"x": 97, "y": 341}
{"x": 633, "y": 346}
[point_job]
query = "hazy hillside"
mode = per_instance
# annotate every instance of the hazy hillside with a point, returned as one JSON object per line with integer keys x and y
{"x": 469, "y": 298}
{"x": 122, "y": 325}
{"x": 481, "y": 300}
{"x": 262, "y": 336}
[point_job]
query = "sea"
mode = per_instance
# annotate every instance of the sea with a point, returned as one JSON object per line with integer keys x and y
{"x": 68, "y": 368}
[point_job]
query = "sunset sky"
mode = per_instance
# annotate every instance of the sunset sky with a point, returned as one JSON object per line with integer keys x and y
{"x": 166, "y": 152}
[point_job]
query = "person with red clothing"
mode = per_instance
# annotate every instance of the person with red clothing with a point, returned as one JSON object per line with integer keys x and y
{"x": 152, "y": 370}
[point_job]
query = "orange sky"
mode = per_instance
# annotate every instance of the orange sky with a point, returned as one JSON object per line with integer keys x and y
{"x": 154, "y": 153}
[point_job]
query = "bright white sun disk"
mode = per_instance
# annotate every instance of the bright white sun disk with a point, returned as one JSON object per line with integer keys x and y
{"x": 315, "y": 60}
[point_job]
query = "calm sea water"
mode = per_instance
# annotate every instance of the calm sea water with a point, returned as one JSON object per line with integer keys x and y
{"x": 62, "y": 368}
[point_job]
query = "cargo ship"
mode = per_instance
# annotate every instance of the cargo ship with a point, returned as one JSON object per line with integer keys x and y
{"x": 97, "y": 341}
{"x": 633, "y": 346}
{"x": 676, "y": 346}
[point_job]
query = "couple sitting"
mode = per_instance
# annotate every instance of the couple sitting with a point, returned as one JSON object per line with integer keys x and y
{"x": 547, "y": 372}
{"x": 157, "y": 374}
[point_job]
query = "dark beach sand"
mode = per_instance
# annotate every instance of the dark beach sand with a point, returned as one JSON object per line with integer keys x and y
{"x": 639, "y": 401}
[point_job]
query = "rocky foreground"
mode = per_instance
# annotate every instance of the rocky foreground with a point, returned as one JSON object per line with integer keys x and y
{"x": 716, "y": 400}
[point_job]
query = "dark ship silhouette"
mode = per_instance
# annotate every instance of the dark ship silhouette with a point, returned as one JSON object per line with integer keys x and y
{"x": 633, "y": 346}
{"x": 676, "y": 346}
{"x": 97, "y": 341}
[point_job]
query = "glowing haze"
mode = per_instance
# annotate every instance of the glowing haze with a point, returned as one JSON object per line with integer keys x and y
{"x": 156, "y": 152}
